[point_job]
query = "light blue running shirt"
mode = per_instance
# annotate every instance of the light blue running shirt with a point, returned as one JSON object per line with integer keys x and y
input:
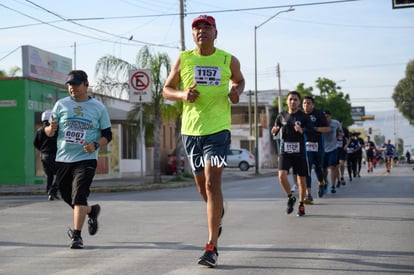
{"x": 79, "y": 122}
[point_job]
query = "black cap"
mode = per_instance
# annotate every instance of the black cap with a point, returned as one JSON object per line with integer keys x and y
{"x": 76, "y": 77}
{"x": 327, "y": 112}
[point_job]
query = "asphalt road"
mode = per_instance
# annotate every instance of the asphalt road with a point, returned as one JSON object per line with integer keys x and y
{"x": 367, "y": 227}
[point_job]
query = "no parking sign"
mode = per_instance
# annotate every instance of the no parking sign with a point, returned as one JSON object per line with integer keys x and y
{"x": 140, "y": 86}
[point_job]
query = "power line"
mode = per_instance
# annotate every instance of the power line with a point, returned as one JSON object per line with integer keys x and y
{"x": 86, "y": 35}
{"x": 97, "y": 30}
{"x": 1, "y": 59}
{"x": 224, "y": 11}
{"x": 346, "y": 68}
{"x": 123, "y": 17}
{"x": 348, "y": 25}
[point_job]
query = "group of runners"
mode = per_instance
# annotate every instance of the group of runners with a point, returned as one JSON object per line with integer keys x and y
{"x": 311, "y": 139}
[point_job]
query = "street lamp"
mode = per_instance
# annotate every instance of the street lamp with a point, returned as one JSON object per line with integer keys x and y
{"x": 256, "y": 149}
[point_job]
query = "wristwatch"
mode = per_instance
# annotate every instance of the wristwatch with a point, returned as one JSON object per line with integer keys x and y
{"x": 96, "y": 145}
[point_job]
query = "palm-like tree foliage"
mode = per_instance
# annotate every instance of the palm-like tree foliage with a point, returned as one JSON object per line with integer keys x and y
{"x": 113, "y": 77}
{"x": 11, "y": 72}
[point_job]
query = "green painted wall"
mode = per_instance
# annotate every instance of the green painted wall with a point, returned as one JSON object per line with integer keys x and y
{"x": 21, "y": 103}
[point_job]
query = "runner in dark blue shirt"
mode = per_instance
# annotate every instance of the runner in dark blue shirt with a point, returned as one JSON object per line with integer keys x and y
{"x": 389, "y": 150}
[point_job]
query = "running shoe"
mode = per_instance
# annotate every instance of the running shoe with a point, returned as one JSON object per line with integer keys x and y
{"x": 222, "y": 215}
{"x": 210, "y": 256}
{"x": 333, "y": 190}
{"x": 338, "y": 184}
{"x": 301, "y": 210}
{"x": 321, "y": 190}
{"x": 93, "y": 219}
{"x": 53, "y": 196}
{"x": 76, "y": 241}
{"x": 343, "y": 181}
{"x": 308, "y": 199}
{"x": 293, "y": 188}
{"x": 290, "y": 204}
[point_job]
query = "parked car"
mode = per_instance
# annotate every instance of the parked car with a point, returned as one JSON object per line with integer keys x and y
{"x": 240, "y": 158}
{"x": 171, "y": 167}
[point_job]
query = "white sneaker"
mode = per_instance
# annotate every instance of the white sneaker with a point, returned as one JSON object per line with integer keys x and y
{"x": 293, "y": 188}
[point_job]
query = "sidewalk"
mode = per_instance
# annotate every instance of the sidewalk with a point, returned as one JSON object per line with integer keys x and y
{"x": 133, "y": 183}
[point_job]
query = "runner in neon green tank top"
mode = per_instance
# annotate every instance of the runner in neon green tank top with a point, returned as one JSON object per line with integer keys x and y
{"x": 205, "y": 74}
{"x": 211, "y": 74}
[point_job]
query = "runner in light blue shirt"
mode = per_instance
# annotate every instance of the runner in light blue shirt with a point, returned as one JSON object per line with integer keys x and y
{"x": 82, "y": 124}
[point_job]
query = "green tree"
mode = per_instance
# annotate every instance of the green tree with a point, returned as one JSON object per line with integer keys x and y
{"x": 332, "y": 98}
{"x": 403, "y": 95}
{"x": 113, "y": 75}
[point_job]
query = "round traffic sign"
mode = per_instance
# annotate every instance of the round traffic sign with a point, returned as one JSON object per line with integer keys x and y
{"x": 140, "y": 81}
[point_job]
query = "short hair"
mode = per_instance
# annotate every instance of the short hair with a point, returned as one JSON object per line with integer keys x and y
{"x": 294, "y": 93}
{"x": 310, "y": 98}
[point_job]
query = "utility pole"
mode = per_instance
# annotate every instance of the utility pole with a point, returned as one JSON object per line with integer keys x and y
{"x": 279, "y": 96}
{"x": 256, "y": 139}
{"x": 182, "y": 24}
{"x": 249, "y": 111}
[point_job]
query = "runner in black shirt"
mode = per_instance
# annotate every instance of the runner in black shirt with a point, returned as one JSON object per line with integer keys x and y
{"x": 314, "y": 146}
{"x": 293, "y": 124}
{"x": 369, "y": 150}
{"x": 351, "y": 158}
{"x": 358, "y": 153}
{"x": 344, "y": 135}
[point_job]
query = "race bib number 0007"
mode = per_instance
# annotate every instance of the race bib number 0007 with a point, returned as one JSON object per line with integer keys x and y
{"x": 75, "y": 136}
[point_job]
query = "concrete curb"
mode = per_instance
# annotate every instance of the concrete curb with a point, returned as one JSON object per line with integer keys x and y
{"x": 128, "y": 184}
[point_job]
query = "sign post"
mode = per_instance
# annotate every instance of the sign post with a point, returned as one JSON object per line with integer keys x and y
{"x": 140, "y": 86}
{"x": 140, "y": 92}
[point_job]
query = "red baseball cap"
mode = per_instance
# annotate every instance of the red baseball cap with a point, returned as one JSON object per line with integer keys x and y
{"x": 204, "y": 18}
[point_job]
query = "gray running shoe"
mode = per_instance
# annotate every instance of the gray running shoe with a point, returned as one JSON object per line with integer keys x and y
{"x": 76, "y": 241}
{"x": 210, "y": 256}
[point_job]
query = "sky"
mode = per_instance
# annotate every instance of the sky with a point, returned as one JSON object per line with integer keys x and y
{"x": 364, "y": 46}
